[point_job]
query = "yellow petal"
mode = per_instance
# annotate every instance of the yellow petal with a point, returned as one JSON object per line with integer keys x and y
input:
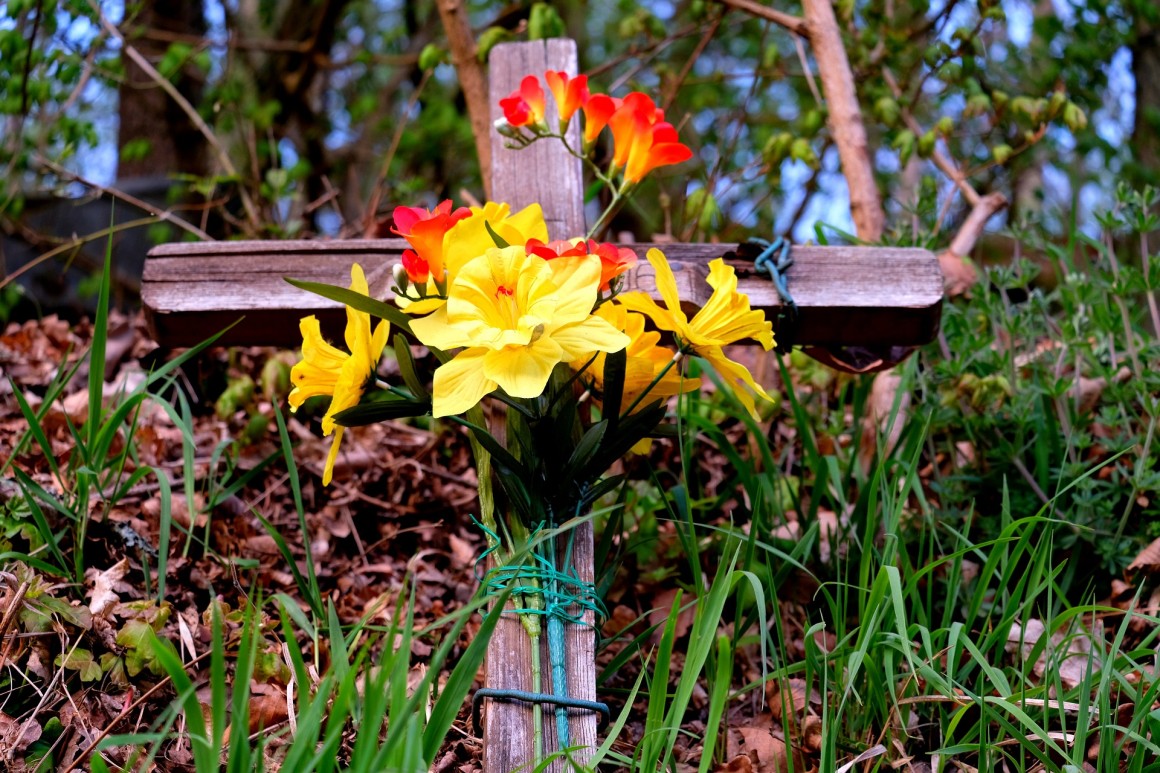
{"x": 526, "y": 224}
{"x": 315, "y": 348}
{"x": 592, "y": 335}
{"x": 735, "y": 375}
{"x": 460, "y": 383}
{"x": 358, "y": 323}
{"x": 727, "y": 316}
{"x": 666, "y": 283}
{"x": 523, "y": 371}
{"x": 425, "y": 306}
{"x": 577, "y": 280}
{"x": 643, "y": 304}
{"x": 331, "y": 457}
{"x": 434, "y": 330}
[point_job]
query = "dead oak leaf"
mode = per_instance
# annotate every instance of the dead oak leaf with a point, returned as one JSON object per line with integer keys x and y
{"x": 103, "y": 595}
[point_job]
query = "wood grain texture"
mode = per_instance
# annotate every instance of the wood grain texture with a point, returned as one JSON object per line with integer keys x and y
{"x": 544, "y": 172}
{"x": 851, "y": 296}
{"x": 548, "y": 174}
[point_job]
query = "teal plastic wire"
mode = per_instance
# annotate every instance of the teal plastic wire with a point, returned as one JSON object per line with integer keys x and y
{"x": 561, "y": 593}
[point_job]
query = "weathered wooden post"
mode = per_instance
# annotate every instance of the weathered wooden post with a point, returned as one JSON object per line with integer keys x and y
{"x": 548, "y": 174}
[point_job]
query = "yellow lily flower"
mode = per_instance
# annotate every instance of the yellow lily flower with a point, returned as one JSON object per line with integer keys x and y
{"x": 469, "y": 239}
{"x": 515, "y": 316}
{"x": 725, "y": 319}
{"x": 326, "y": 370}
{"x": 645, "y": 360}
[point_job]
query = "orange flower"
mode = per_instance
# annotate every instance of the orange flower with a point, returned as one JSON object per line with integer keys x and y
{"x": 424, "y": 230}
{"x": 663, "y": 148}
{"x": 524, "y": 106}
{"x": 642, "y": 139}
{"x": 614, "y": 260}
{"x": 570, "y": 93}
{"x": 597, "y": 110}
{"x": 630, "y": 124}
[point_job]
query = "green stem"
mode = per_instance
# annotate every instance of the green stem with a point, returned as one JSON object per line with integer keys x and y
{"x": 618, "y": 200}
{"x": 537, "y": 709}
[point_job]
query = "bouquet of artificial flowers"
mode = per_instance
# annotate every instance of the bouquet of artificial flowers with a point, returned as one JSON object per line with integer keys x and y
{"x": 539, "y": 326}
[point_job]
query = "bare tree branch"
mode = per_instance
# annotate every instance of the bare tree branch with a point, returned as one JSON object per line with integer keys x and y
{"x": 472, "y": 80}
{"x": 845, "y": 118}
{"x": 794, "y": 24}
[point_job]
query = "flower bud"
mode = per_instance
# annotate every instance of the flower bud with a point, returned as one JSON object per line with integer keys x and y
{"x": 400, "y": 276}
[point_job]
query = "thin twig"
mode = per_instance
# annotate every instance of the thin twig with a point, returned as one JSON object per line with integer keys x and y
{"x": 162, "y": 214}
{"x": 74, "y": 244}
{"x": 686, "y": 68}
{"x": 473, "y": 83}
{"x": 9, "y": 614}
{"x": 385, "y": 168}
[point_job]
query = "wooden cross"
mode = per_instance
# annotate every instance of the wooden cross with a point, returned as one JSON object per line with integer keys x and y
{"x": 846, "y": 296}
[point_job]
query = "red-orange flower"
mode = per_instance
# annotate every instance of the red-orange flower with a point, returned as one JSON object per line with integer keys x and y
{"x": 662, "y": 149}
{"x": 597, "y": 110}
{"x": 570, "y": 93}
{"x": 525, "y": 106}
{"x": 424, "y": 230}
{"x": 642, "y": 139}
{"x": 630, "y": 123}
{"x": 418, "y": 270}
{"x": 614, "y": 260}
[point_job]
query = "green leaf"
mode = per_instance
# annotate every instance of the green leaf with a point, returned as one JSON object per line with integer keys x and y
{"x": 583, "y": 453}
{"x": 82, "y": 661}
{"x": 499, "y": 240}
{"x": 375, "y": 308}
{"x": 137, "y": 637}
{"x": 407, "y": 368}
{"x": 615, "y": 365}
{"x": 489, "y": 39}
{"x": 545, "y": 22}
{"x": 383, "y": 409}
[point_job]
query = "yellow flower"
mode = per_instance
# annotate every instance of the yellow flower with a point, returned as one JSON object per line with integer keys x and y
{"x": 725, "y": 319}
{"x": 469, "y": 239}
{"x": 325, "y": 370}
{"x": 515, "y": 316}
{"x": 644, "y": 360}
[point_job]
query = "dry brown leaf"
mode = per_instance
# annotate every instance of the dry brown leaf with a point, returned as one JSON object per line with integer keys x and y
{"x": 461, "y": 550}
{"x": 877, "y": 421}
{"x": 1072, "y": 664}
{"x": 16, "y": 736}
{"x": 103, "y": 596}
{"x": 267, "y": 710}
{"x": 739, "y": 764}
{"x": 791, "y": 698}
{"x": 769, "y": 751}
{"x": 663, "y": 605}
{"x": 1148, "y": 561}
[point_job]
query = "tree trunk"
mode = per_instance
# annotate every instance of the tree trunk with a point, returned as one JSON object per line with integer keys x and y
{"x": 146, "y": 112}
{"x": 1146, "y": 69}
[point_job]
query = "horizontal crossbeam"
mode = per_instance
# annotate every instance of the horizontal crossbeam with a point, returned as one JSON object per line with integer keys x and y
{"x": 846, "y": 296}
